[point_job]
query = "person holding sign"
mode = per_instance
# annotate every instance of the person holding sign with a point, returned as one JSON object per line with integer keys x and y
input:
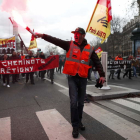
{"x": 118, "y": 57}
{"x": 78, "y": 55}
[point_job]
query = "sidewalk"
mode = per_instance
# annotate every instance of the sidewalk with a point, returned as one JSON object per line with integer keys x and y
{"x": 113, "y": 92}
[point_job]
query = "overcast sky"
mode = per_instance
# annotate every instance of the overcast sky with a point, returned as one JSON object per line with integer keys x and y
{"x": 56, "y": 17}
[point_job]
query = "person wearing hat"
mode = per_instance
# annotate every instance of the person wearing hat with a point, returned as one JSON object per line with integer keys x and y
{"x": 78, "y": 55}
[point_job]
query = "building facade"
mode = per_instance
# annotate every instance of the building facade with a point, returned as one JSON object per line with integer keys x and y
{"x": 127, "y": 43}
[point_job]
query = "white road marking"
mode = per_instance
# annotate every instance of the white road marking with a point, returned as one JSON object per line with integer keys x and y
{"x": 5, "y": 128}
{"x": 57, "y": 84}
{"x": 135, "y": 99}
{"x": 55, "y": 125}
{"x": 128, "y": 104}
{"x": 121, "y": 126}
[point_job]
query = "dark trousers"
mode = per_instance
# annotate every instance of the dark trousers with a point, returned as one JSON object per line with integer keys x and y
{"x": 118, "y": 73}
{"x": 6, "y": 77}
{"x": 77, "y": 92}
{"x": 127, "y": 71}
{"x": 23, "y": 74}
{"x": 51, "y": 74}
{"x": 39, "y": 73}
{"x": 111, "y": 74}
{"x": 14, "y": 77}
{"x": 43, "y": 74}
{"x": 59, "y": 68}
{"x": 31, "y": 74}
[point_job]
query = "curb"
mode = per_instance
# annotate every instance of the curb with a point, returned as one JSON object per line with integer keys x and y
{"x": 115, "y": 96}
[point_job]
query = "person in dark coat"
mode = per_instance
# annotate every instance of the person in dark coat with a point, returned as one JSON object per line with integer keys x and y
{"x": 42, "y": 56}
{"x": 5, "y": 76}
{"x": 30, "y": 74}
{"x": 60, "y": 64}
{"x": 14, "y": 76}
{"x": 51, "y": 71}
{"x": 77, "y": 83}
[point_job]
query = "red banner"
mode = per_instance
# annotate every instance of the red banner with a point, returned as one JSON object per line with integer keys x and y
{"x": 28, "y": 65}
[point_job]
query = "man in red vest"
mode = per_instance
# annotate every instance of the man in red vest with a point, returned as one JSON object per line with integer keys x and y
{"x": 79, "y": 53}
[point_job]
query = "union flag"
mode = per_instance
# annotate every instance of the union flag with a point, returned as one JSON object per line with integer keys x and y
{"x": 99, "y": 24}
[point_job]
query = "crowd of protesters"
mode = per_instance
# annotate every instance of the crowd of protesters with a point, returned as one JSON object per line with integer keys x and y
{"x": 128, "y": 70}
{"x": 132, "y": 70}
{"x": 30, "y": 75}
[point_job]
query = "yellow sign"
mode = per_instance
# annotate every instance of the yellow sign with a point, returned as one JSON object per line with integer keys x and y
{"x": 7, "y": 45}
{"x": 33, "y": 43}
{"x": 99, "y": 25}
{"x": 99, "y": 52}
{"x": 7, "y": 41}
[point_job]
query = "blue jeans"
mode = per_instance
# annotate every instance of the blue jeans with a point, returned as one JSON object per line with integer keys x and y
{"x": 77, "y": 92}
{"x": 134, "y": 71}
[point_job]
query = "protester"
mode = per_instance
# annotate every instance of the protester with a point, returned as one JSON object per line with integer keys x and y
{"x": 5, "y": 76}
{"x": 135, "y": 64}
{"x": 119, "y": 57}
{"x": 37, "y": 73}
{"x": 18, "y": 55}
{"x": 42, "y": 56}
{"x": 30, "y": 56}
{"x": 14, "y": 76}
{"x": 51, "y": 71}
{"x": 76, "y": 66}
{"x": 111, "y": 75}
{"x": 22, "y": 57}
{"x": 61, "y": 59}
{"x": 127, "y": 70}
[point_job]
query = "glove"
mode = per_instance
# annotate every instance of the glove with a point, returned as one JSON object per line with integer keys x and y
{"x": 98, "y": 84}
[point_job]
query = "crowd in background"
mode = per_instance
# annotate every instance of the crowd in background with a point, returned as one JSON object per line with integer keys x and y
{"x": 30, "y": 75}
{"x": 128, "y": 70}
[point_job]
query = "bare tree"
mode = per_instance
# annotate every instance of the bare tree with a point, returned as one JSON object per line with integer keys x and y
{"x": 95, "y": 42}
{"x": 115, "y": 39}
{"x": 54, "y": 49}
{"x": 136, "y": 3}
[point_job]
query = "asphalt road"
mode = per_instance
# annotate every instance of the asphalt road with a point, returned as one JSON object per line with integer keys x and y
{"x": 42, "y": 112}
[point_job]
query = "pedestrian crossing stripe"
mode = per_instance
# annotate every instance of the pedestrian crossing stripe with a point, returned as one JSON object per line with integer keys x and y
{"x": 5, "y": 128}
{"x": 119, "y": 125}
{"x": 134, "y": 99}
{"x": 55, "y": 125}
{"x": 128, "y": 104}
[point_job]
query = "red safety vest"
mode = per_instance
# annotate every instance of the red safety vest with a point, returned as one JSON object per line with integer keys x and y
{"x": 77, "y": 61}
{"x": 23, "y": 57}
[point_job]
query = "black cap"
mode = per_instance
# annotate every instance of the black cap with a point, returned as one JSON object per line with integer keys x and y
{"x": 79, "y": 30}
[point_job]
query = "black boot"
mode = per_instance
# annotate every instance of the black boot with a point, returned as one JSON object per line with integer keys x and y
{"x": 51, "y": 81}
{"x": 81, "y": 126}
{"x": 75, "y": 132}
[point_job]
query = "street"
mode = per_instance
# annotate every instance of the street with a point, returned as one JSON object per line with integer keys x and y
{"x": 42, "y": 112}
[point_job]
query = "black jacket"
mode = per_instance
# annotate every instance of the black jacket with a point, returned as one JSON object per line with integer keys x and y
{"x": 66, "y": 45}
{"x": 29, "y": 56}
{"x": 42, "y": 56}
{"x": 14, "y": 57}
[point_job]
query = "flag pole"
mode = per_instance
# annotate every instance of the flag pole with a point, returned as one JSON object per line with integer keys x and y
{"x": 92, "y": 16}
